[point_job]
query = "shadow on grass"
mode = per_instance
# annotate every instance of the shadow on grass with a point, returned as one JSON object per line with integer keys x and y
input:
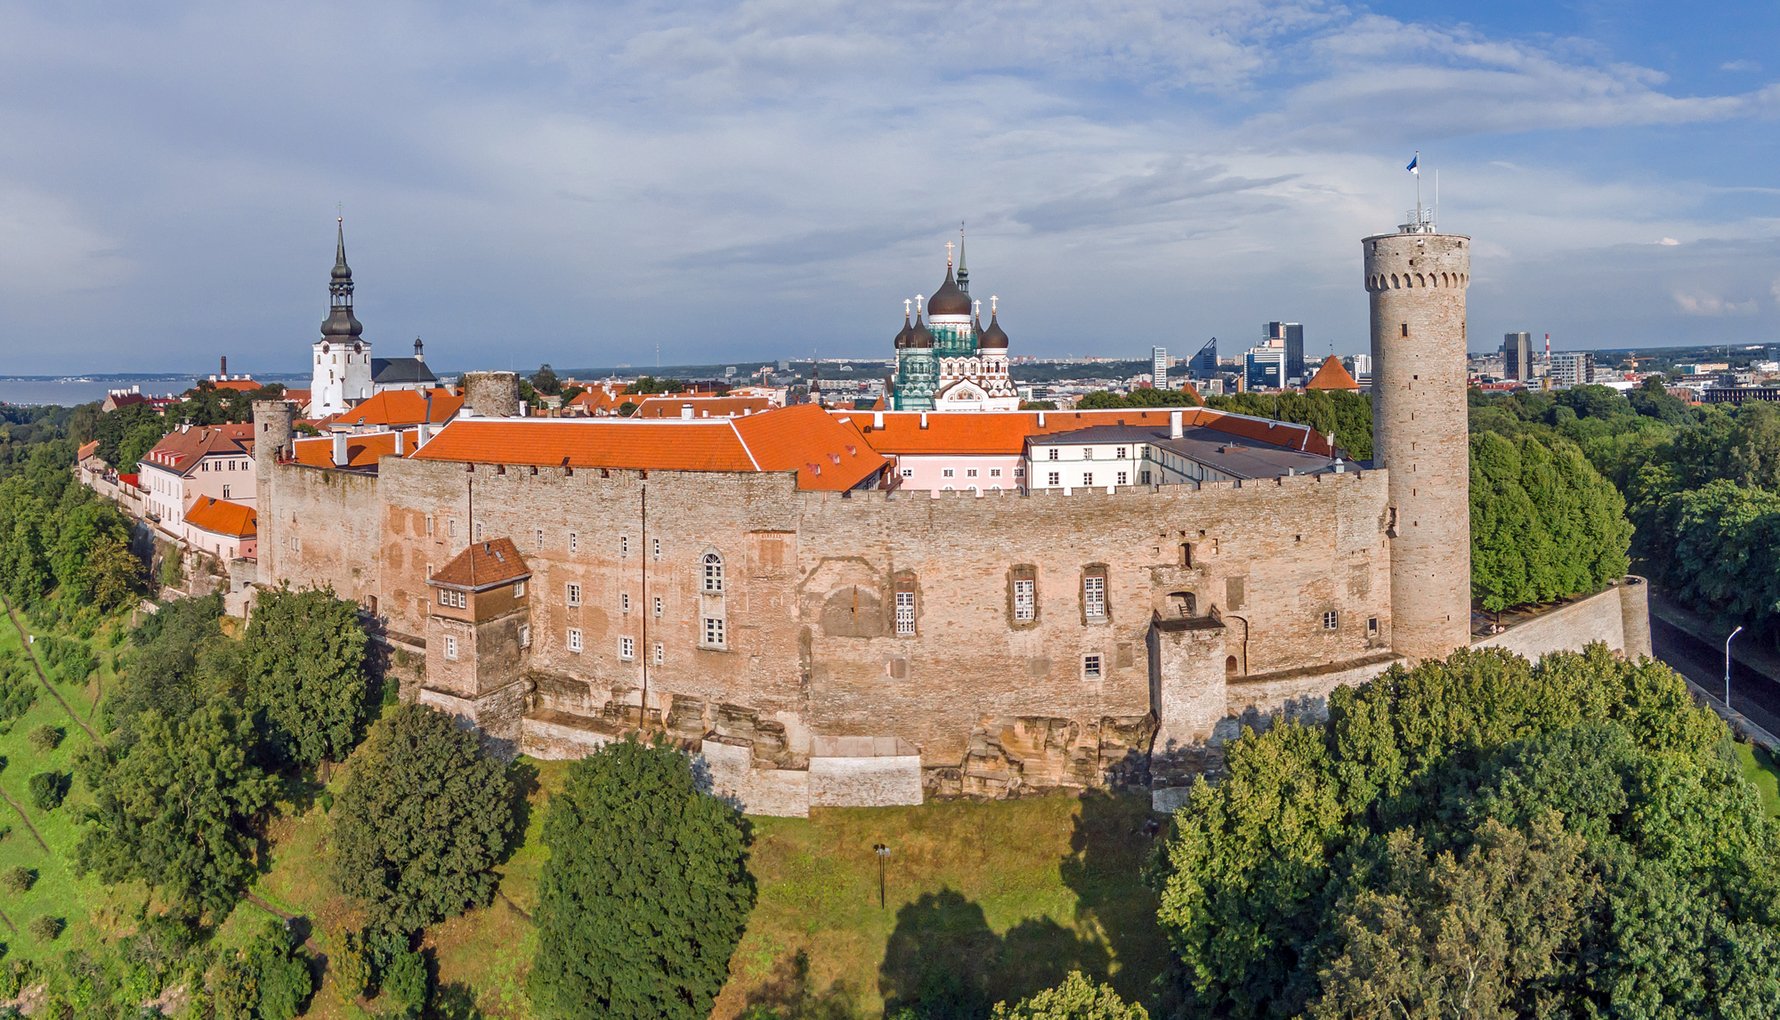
{"x": 1114, "y": 846}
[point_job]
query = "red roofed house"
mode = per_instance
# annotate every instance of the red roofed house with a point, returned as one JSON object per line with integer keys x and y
{"x": 1332, "y": 376}
{"x": 225, "y": 529}
{"x": 701, "y": 407}
{"x": 393, "y": 409}
{"x": 194, "y": 461}
{"x": 478, "y": 626}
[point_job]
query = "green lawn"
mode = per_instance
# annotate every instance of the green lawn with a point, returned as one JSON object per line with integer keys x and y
{"x": 1764, "y": 772}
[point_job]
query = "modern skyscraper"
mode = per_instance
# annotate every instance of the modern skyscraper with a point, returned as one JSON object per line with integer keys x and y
{"x": 1264, "y": 365}
{"x": 1572, "y": 368}
{"x": 1159, "y": 367}
{"x": 1292, "y": 333}
{"x": 1517, "y": 356}
{"x": 1204, "y": 363}
{"x": 1417, "y": 278}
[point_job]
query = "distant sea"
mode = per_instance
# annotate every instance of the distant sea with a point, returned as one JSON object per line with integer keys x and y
{"x": 71, "y": 390}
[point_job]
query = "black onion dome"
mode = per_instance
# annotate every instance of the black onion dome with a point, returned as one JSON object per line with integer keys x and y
{"x": 949, "y": 299}
{"x": 902, "y": 336}
{"x": 341, "y": 323}
{"x": 994, "y": 336}
{"x": 920, "y": 337}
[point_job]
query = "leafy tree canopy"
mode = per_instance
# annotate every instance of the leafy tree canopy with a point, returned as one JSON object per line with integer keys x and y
{"x": 422, "y": 820}
{"x": 646, "y": 890}
{"x": 305, "y": 673}
{"x": 1077, "y": 998}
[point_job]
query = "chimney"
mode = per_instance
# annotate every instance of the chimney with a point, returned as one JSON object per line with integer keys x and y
{"x": 686, "y": 411}
{"x": 877, "y": 419}
{"x": 223, "y": 368}
{"x": 923, "y": 419}
{"x": 1041, "y": 419}
{"x": 1175, "y": 430}
{"x": 339, "y": 449}
{"x": 400, "y": 452}
{"x": 422, "y": 434}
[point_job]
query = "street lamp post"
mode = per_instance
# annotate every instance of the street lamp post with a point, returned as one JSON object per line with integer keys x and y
{"x": 1727, "y": 667}
{"x": 883, "y": 855}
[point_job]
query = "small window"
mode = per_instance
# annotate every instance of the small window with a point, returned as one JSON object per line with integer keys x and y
{"x": 1405, "y": 328}
{"x": 1094, "y": 596}
{"x": 714, "y": 631}
{"x": 574, "y": 639}
{"x": 225, "y": 492}
{"x": 1143, "y": 477}
{"x": 1025, "y": 600}
{"x": 538, "y": 539}
{"x": 1124, "y": 477}
{"x": 444, "y": 597}
{"x": 1371, "y": 626}
{"x": 624, "y": 602}
{"x": 627, "y": 647}
{"x": 1019, "y": 472}
{"x": 908, "y": 472}
{"x": 658, "y": 607}
{"x": 429, "y": 524}
{"x": 1055, "y": 478}
{"x": 574, "y": 593}
{"x": 946, "y": 472}
{"x": 574, "y": 542}
{"x": 450, "y": 647}
{"x": 659, "y": 654}
{"x": 1087, "y": 453}
{"x": 655, "y": 548}
{"x": 994, "y": 472}
{"x": 451, "y": 527}
{"x": 1331, "y": 620}
{"x": 712, "y": 582}
{"x": 970, "y": 472}
{"x": 1090, "y": 667}
{"x": 1053, "y": 453}
{"x": 525, "y": 635}
{"x": 905, "y": 613}
{"x": 1119, "y": 454}
{"x": 623, "y": 546}
{"x": 519, "y": 589}
{"x": 1087, "y": 478}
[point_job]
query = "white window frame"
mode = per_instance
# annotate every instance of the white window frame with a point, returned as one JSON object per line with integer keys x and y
{"x": 659, "y": 654}
{"x": 574, "y": 542}
{"x": 572, "y": 591}
{"x": 1094, "y": 596}
{"x": 1124, "y": 478}
{"x": 655, "y": 548}
{"x": 538, "y": 539}
{"x": 1093, "y": 666}
{"x": 623, "y": 547}
{"x": 525, "y": 635}
{"x": 519, "y": 588}
{"x": 1056, "y": 478}
{"x": 946, "y": 472}
{"x": 624, "y": 602}
{"x": 451, "y": 647}
{"x": 711, "y": 578}
{"x": 1025, "y": 600}
{"x": 574, "y": 640}
{"x": 712, "y": 633}
{"x": 627, "y": 647}
{"x": 905, "y": 613}
{"x": 1087, "y": 478}
{"x": 658, "y": 607}
{"x": 1331, "y": 619}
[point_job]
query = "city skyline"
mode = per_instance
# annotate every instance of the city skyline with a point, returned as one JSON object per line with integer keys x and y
{"x": 574, "y": 187}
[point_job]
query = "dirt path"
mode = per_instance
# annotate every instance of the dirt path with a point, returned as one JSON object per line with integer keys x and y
{"x": 8, "y": 922}
{"x": 32, "y": 829}
{"x": 309, "y": 943}
{"x": 30, "y": 653}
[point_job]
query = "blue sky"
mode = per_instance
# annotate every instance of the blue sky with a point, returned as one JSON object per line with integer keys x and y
{"x": 577, "y": 183}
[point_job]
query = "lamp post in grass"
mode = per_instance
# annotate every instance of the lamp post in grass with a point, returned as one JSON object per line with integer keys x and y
{"x": 883, "y": 853}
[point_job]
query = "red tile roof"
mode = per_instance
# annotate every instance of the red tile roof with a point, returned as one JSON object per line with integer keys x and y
{"x": 395, "y": 408}
{"x": 483, "y": 565}
{"x": 1332, "y": 376}
{"x": 221, "y": 517}
{"x": 988, "y": 433}
{"x": 702, "y": 407}
{"x": 86, "y": 450}
{"x": 237, "y": 385}
{"x": 363, "y": 449}
{"x": 825, "y": 453}
{"x": 180, "y": 451}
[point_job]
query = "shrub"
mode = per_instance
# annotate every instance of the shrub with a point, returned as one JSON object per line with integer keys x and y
{"x": 405, "y": 982}
{"x": 48, "y": 789}
{"x": 350, "y": 964}
{"x": 45, "y": 738}
{"x": 46, "y": 928}
{"x": 19, "y": 879}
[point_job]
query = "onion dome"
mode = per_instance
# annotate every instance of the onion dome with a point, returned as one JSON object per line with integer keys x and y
{"x": 994, "y": 336}
{"x": 920, "y": 338}
{"x": 949, "y": 299}
{"x": 908, "y": 330}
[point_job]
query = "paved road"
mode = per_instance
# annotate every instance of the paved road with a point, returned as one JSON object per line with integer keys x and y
{"x": 1754, "y": 694}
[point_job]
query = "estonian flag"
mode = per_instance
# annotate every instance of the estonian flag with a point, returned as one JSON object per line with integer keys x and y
{"x": 1414, "y": 166}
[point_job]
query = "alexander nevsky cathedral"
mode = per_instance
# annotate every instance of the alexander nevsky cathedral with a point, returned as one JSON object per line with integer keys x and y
{"x": 947, "y": 360}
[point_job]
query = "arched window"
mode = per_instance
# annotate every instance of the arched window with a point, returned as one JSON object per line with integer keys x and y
{"x": 713, "y": 578}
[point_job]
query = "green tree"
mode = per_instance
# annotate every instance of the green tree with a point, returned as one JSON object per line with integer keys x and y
{"x": 305, "y": 673}
{"x": 1544, "y": 524}
{"x": 48, "y": 790}
{"x": 180, "y": 808}
{"x": 422, "y": 820}
{"x": 544, "y": 381}
{"x": 1077, "y": 998}
{"x": 268, "y": 980}
{"x": 645, "y": 892}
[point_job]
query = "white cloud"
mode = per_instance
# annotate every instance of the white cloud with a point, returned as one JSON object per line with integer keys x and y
{"x": 1668, "y": 242}
{"x": 1695, "y": 303}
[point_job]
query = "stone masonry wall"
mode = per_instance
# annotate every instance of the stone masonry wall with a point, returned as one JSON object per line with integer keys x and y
{"x": 1603, "y": 617}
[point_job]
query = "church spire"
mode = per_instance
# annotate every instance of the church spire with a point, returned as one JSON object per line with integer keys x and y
{"x": 341, "y": 325}
{"x": 963, "y": 271}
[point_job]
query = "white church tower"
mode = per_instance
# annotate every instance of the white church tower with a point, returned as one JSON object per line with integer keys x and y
{"x": 342, "y": 362}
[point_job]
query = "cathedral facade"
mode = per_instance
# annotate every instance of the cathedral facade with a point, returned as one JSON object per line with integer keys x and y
{"x": 946, "y": 359}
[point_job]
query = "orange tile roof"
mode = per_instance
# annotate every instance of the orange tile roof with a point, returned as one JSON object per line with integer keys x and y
{"x": 396, "y": 408}
{"x": 1332, "y": 376}
{"x": 86, "y": 450}
{"x": 484, "y": 565}
{"x": 990, "y": 433}
{"x": 702, "y": 407}
{"x": 221, "y": 517}
{"x": 363, "y": 449}
{"x": 181, "y": 450}
{"x": 825, "y": 453}
{"x": 237, "y": 385}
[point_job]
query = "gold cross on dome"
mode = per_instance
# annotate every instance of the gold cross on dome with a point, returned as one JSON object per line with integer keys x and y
{"x": 949, "y": 247}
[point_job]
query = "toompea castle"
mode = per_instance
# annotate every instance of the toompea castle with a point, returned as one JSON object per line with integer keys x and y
{"x": 840, "y": 607}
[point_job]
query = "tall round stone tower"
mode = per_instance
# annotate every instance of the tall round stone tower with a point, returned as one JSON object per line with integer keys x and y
{"x": 1416, "y": 279}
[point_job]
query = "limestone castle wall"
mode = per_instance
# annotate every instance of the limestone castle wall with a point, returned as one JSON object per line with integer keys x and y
{"x": 1618, "y": 617}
